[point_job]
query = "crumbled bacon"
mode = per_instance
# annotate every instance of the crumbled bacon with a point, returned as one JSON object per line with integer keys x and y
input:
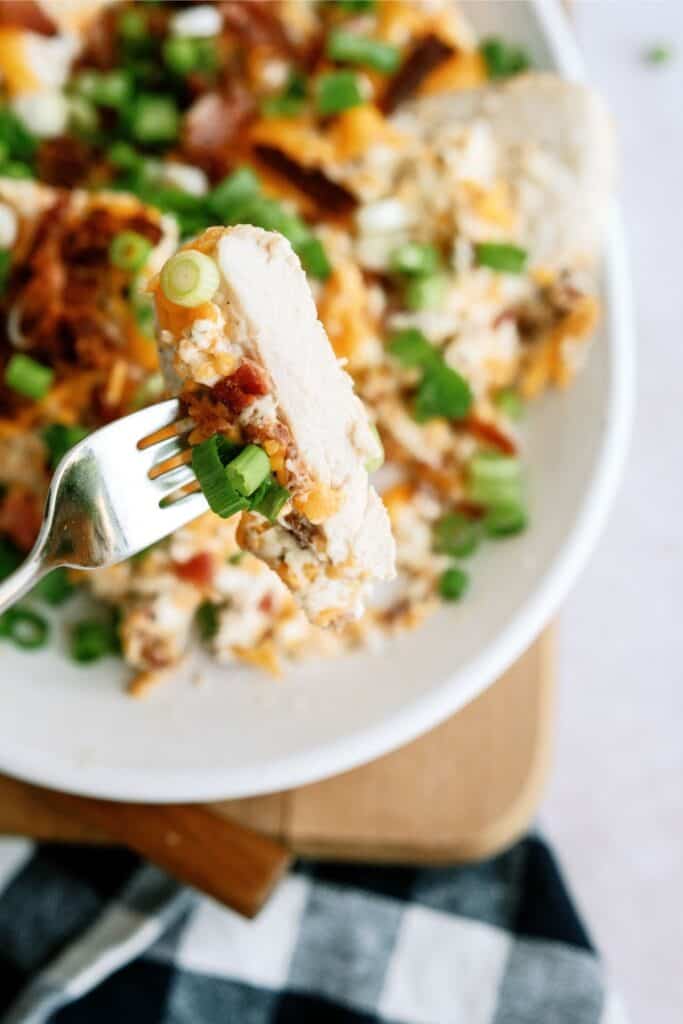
{"x": 331, "y": 197}
{"x": 20, "y": 516}
{"x": 427, "y": 54}
{"x": 242, "y": 387}
{"x": 489, "y": 433}
{"x": 197, "y": 570}
{"x": 212, "y": 126}
{"x": 255, "y": 23}
{"x": 26, "y": 14}
{"x": 64, "y": 162}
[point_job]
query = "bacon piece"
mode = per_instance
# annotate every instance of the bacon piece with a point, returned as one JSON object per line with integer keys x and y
{"x": 242, "y": 387}
{"x": 20, "y": 516}
{"x": 255, "y": 24}
{"x": 427, "y": 54}
{"x": 330, "y": 196}
{"x": 26, "y": 14}
{"x": 64, "y": 161}
{"x": 212, "y": 126}
{"x": 197, "y": 570}
{"x": 489, "y": 433}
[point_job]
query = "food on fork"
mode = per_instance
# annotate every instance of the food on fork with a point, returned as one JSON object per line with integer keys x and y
{"x": 279, "y": 434}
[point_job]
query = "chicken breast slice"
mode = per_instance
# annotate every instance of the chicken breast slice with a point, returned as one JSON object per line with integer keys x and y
{"x": 554, "y": 146}
{"x": 256, "y": 364}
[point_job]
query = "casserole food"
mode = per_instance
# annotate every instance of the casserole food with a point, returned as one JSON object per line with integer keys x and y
{"x": 448, "y": 214}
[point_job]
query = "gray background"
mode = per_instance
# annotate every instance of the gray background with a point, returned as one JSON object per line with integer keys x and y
{"x": 615, "y": 803}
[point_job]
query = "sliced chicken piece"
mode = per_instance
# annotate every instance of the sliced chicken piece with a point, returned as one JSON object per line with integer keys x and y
{"x": 254, "y": 363}
{"x": 553, "y": 145}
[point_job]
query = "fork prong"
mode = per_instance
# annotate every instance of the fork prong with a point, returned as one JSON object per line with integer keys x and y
{"x": 176, "y": 478}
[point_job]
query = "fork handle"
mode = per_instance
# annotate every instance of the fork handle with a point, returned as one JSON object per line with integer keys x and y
{"x": 25, "y": 577}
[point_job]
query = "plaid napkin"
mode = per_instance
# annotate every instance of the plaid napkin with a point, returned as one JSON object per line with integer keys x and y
{"x": 90, "y": 936}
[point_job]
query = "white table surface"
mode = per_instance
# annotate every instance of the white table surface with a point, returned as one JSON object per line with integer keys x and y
{"x": 614, "y": 806}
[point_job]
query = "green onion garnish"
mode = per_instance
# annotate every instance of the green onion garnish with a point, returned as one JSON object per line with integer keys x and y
{"x": 129, "y": 251}
{"x": 24, "y": 628}
{"x": 27, "y": 377}
{"x": 415, "y": 259}
{"x": 230, "y": 195}
{"x": 210, "y": 471}
{"x": 189, "y": 278}
{"x": 356, "y": 6}
{"x": 453, "y": 583}
{"x": 247, "y": 471}
{"x": 83, "y": 117}
{"x": 236, "y": 558}
{"x": 425, "y": 292}
{"x": 10, "y": 558}
{"x": 154, "y": 119}
{"x": 105, "y": 88}
{"x": 132, "y": 26}
{"x": 207, "y": 620}
{"x": 509, "y": 259}
{"x": 92, "y": 639}
{"x": 503, "y": 60}
{"x": 351, "y": 48}
{"x": 55, "y": 588}
{"x": 457, "y": 535}
{"x": 494, "y": 479}
{"x": 59, "y": 438}
{"x": 17, "y": 170}
{"x": 510, "y": 404}
{"x": 269, "y": 499}
{"x": 17, "y": 141}
{"x": 506, "y": 519}
{"x": 5, "y": 266}
{"x": 337, "y": 91}
{"x": 411, "y": 348}
{"x": 290, "y": 101}
{"x": 183, "y": 54}
{"x": 660, "y": 54}
{"x": 314, "y": 258}
{"x": 442, "y": 392}
{"x": 122, "y": 155}
{"x": 376, "y": 461}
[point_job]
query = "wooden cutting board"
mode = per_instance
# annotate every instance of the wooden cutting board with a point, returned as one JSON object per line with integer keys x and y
{"x": 462, "y": 792}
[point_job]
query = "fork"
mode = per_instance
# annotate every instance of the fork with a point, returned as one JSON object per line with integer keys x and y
{"x": 122, "y": 488}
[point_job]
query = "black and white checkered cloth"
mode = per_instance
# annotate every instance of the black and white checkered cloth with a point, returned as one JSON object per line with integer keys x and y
{"x": 93, "y": 937}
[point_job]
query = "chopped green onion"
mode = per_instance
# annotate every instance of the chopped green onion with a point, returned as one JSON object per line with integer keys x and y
{"x": 122, "y": 155}
{"x": 290, "y": 101}
{"x": 337, "y": 91}
{"x": 17, "y": 141}
{"x": 132, "y": 25}
{"x": 425, "y": 292}
{"x": 506, "y": 519}
{"x": 314, "y": 258}
{"x": 376, "y": 461}
{"x": 228, "y": 197}
{"x": 236, "y": 558}
{"x": 83, "y": 117}
{"x": 24, "y": 628}
{"x": 207, "y": 620}
{"x": 105, "y": 88}
{"x": 411, "y": 348}
{"x": 60, "y": 438}
{"x": 453, "y": 583}
{"x": 457, "y": 535}
{"x": 27, "y": 377}
{"x": 356, "y": 6}
{"x": 129, "y": 251}
{"x": 92, "y": 639}
{"x": 351, "y": 48}
{"x": 494, "y": 479}
{"x": 10, "y": 558}
{"x": 55, "y": 588}
{"x": 509, "y": 259}
{"x": 5, "y": 266}
{"x": 660, "y": 54}
{"x": 442, "y": 392}
{"x": 510, "y": 404}
{"x": 189, "y": 278}
{"x": 154, "y": 119}
{"x": 247, "y": 471}
{"x": 270, "y": 499}
{"x": 183, "y": 54}
{"x": 143, "y": 310}
{"x": 208, "y": 467}
{"x": 16, "y": 169}
{"x": 415, "y": 259}
{"x": 503, "y": 60}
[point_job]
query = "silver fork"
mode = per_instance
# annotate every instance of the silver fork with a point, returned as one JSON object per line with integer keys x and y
{"x": 112, "y": 495}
